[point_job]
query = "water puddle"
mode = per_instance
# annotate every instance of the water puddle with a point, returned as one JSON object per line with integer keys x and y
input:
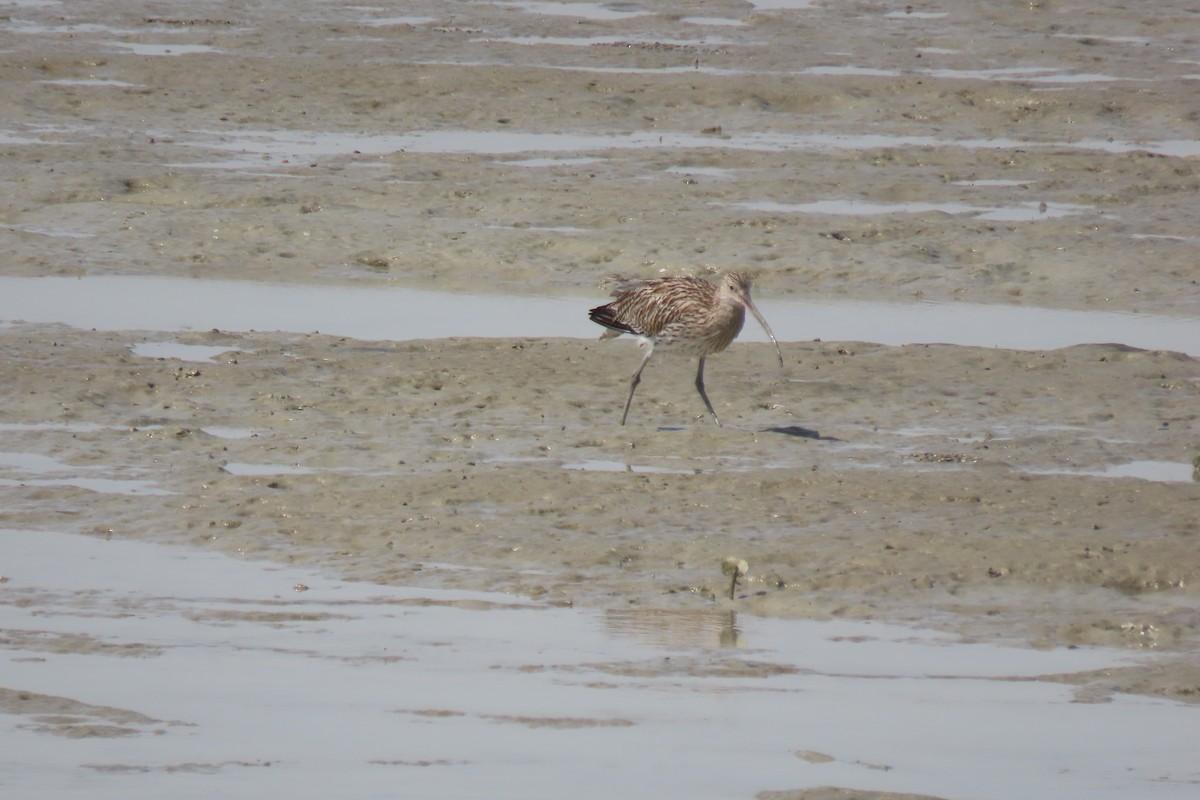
{"x": 264, "y": 149}
{"x": 64, "y": 427}
{"x": 563, "y": 229}
{"x": 461, "y": 692}
{"x": 89, "y": 82}
{"x": 1166, "y": 237}
{"x": 30, "y": 28}
{"x": 261, "y": 470}
{"x": 175, "y": 350}
{"x": 223, "y": 432}
{"x": 1023, "y": 75}
{"x": 1021, "y": 212}
{"x": 1004, "y": 182}
{"x": 116, "y": 303}
{"x": 850, "y": 70}
{"x": 599, "y": 12}
{"x": 1083, "y": 37}
{"x": 54, "y": 232}
{"x": 73, "y": 427}
{"x": 147, "y": 49}
{"x": 781, "y": 5}
{"x": 713, "y": 21}
{"x": 1163, "y": 471}
{"x": 1031, "y": 75}
{"x": 598, "y": 465}
{"x": 909, "y": 13}
{"x": 31, "y": 463}
{"x": 29, "y": 469}
{"x": 387, "y": 22}
{"x": 85, "y": 29}
{"x": 552, "y": 162}
{"x": 606, "y": 40}
{"x": 9, "y": 138}
{"x": 98, "y": 485}
{"x": 719, "y": 173}
{"x": 1156, "y": 471}
{"x": 707, "y": 465}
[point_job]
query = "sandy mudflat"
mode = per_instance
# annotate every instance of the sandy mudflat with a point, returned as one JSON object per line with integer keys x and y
{"x": 933, "y": 484}
{"x": 1031, "y": 153}
{"x": 1041, "y": 154}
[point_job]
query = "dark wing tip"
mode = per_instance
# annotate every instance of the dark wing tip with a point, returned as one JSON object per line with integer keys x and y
{"x": 604, "y": 315}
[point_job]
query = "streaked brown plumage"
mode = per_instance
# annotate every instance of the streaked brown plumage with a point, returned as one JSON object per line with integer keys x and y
{"x": 681, "y": 314}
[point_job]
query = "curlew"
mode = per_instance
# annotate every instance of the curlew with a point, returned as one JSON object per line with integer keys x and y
{"x": 680, "y": 314}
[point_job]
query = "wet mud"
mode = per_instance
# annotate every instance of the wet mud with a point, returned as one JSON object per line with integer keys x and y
{"x": 975, "y": 497}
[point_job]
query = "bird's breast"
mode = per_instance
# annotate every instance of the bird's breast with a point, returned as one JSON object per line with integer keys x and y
{"x": 700, "y": 337}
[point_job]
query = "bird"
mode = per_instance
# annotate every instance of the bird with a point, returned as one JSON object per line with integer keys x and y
{"x": 683, "y": 314}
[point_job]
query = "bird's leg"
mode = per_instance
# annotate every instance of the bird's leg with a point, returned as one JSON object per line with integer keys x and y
{"x": 700, "y": 389}
{"x": 635, "y": 380}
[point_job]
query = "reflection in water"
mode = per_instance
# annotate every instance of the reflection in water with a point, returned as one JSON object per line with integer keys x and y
{"x": 703, "y": 628}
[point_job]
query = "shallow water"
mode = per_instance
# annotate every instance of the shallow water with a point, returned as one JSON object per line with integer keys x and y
{"x": 1162, "y": 471}
{"x": 258, "y": 149}
{"x": 20, "y": 469}
{"x": 147, "y": 49}
{"x": 463, "y": 692}
{"x": 176, "y": 350}
{"x": 171, "y": 304}
{"x": 1020, "y": 212}
{"x": 614, "y": 39}
{"x": 589, "y": 11}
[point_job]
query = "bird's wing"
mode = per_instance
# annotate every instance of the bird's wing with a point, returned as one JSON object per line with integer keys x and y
{"x": 620, "y": 284}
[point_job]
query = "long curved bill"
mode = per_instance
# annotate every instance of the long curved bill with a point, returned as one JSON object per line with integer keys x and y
{"x": 765, "y": 327}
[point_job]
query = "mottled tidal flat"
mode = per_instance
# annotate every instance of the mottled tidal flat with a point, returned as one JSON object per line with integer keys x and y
{"x": 1033, "y": 157}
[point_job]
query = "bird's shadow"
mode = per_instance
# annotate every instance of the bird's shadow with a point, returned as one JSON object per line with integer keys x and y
{"x": 786, "y": 430}
{"x": 801, "y": 433}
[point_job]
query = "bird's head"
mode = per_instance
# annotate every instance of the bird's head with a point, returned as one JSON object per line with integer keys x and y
{"x": 737, "y": 284}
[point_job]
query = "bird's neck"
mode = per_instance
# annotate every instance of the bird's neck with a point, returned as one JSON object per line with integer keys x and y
{"x": 728, "y": 318}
